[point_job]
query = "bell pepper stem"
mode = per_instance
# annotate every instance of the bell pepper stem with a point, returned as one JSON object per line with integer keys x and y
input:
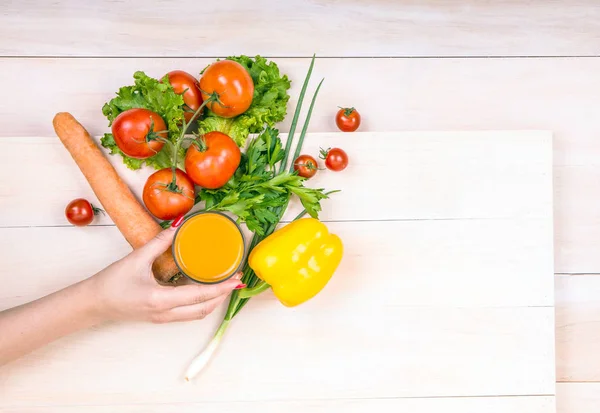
{"x": 257, "y": 289}
{"x": 202, "y": 359}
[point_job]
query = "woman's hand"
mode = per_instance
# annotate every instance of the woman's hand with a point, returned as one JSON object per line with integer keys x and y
{"x": 127, "y": 290}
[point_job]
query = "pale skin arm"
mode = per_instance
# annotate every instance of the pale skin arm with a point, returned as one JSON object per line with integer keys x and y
{"x": 126, "y": 290}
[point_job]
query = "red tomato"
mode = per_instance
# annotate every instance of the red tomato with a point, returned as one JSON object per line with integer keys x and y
{"x": 187, "y": 84}
{"x": 80, "y": 212}
{"x": 231, "y": 83}
{"x": 135, "y": 137}
{"x": 212, "y": 162}
{"x": 335, "y": 159}
{"x": 165, "y": 201}
{"x": 347, "y": 119}
{"x": 306, "y": 166}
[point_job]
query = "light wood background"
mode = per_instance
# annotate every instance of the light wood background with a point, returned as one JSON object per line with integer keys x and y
{"x": 409, "y": 65}
{"x": 445, "y": 291}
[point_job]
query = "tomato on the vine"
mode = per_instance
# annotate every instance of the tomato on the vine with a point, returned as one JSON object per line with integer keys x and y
{"x": 347, "y": 119}
{"x": 231, "y": 87}
{"x": 306, "y": 166}
{"x": 211, "y": 160}
{"x": 139, "y": 133}
{"x": 335, "y": 159}
{"x": 165, "y": 200}
{"x": 80, "y": 212}
{"x": 187, "y": 84}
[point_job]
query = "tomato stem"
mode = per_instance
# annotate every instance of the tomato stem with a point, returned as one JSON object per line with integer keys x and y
{"x": 213, "y": 97}
{"x": 200, "y": 143}
{"x": 97, "y": 210}
{"x": 310, "y": 166}
{"x": 182, "y": 138}
{"x": 152, "y": 135}
{"x": 323, "y": 153}
{"x": 347, "y": 111}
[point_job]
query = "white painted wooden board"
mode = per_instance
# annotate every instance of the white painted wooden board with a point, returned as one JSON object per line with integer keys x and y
{"x": 456, "y": 303}
{"x": 578, "y": 327}
{"x": 577, "y": 397}
{"x": 392, "y": 175}
{"x": 412, "y": 94}
{"x": 326, "y": 27}
{"x": 532, "y": 404}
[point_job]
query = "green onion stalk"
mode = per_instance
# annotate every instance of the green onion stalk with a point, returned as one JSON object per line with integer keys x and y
{"x": 254, "y": 285}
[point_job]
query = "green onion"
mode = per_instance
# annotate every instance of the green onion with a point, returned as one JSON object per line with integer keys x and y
{"x": 305, "y": 127}
{"x": 255, "y": 285}
{"x": 288, "y": 144}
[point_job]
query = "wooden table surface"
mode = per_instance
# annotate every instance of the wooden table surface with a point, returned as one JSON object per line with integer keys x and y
{"x": 412, "y": 65}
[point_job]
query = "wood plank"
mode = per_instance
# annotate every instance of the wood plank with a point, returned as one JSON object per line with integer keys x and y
{"x": 435, "y": 176}
{"x": 578, "y": 328}
{"x": 426, "y": 256}
{"x": 386, "y": 333}
{"x": 378, "y": 351}
{"x": 529, "y": 404}
{"x": 427, "y": 94}
{"x": 269, "y": 27}
{"x": 577, "y": 397}
{"x": 483, "y": 350}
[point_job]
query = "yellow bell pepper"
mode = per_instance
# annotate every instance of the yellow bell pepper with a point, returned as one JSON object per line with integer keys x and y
{"x": 297, "y": 260}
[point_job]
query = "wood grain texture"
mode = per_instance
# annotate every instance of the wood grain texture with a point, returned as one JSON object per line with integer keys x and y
{"x": 533, "y": 404}
{"x": 405, "y": 175}
{"x": 578, "y": 328}
{"x": 422, "y": 253}
{"x": 381, "y": 351}
{"x": 326, "y": 27}
{"x": 457, "y": 303}
{"x": 554, "y": 94}
{"x": 424, "y": 94}
{"x": 578, "y": 397}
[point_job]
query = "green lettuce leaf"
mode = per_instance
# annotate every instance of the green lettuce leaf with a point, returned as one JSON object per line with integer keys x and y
{"x": 157, "y": 96}
{"x": 269, "y": 103}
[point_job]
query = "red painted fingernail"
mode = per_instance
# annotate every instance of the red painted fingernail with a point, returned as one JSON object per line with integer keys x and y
{"x": 240, "y": 286}
{"x": 177, "y": 221}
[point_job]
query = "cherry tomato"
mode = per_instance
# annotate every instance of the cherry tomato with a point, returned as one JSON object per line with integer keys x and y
{"x": 347, "y": 119}
{"x": 187, "y": 84}
{"x": 80, "y": 212}
{"x": 306, "y": 166}
{"x": 231, "y": 83}
{"x": 211, "y": 161}
{"x": 335, "y": 159}
{"x": 135, "y": 133}
{"x": 165, "y": 201}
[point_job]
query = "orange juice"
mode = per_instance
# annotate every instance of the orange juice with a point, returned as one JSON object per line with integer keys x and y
{"x": 208, "y": 247}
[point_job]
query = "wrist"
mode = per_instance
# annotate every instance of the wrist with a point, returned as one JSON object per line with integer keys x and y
{"x": 91, "y": 305}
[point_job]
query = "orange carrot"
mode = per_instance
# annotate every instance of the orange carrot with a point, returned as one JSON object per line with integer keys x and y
{"x": 130, "y": 217}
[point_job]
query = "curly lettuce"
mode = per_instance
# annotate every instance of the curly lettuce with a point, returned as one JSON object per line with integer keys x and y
{"x": 157, "y": 96}
{"x": 269, "y": 103}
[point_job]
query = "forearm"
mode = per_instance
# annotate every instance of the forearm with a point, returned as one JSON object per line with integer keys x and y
{"x": 33, "y": 325}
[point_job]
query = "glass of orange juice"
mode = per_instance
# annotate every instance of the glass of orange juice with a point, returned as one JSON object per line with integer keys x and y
{"x": 209, "y": 247}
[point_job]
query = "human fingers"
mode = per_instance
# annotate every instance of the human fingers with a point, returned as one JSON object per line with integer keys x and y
{"x": 189, "y": 312}
{"x": 183, "y": 295}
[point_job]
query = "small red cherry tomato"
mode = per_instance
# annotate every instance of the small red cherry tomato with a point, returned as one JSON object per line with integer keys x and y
{"x": 335, "y": 159}
{"x": 306, "y": 166}
{"x": 80, "y": 212}
{"x": 347, "y": 119}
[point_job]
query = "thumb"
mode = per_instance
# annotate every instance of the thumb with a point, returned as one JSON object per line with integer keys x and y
{"x": 161, "y": 242}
